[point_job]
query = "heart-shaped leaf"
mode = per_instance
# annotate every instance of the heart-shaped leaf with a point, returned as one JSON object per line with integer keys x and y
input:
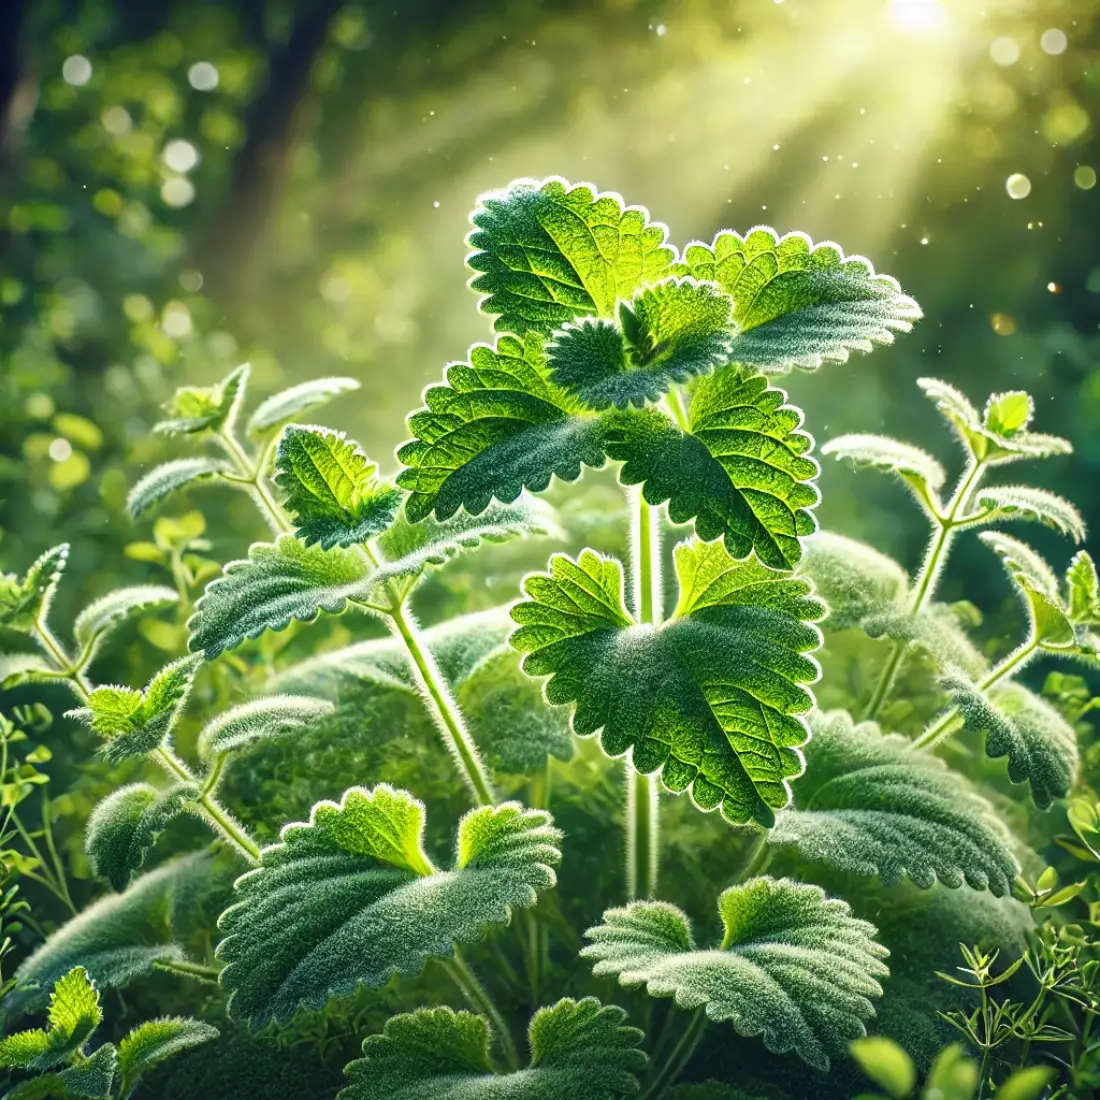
{"x": 578, "y": 1049}
{"x": 332, "y": 488}
{"x": 711, "y": 699}
{"x": 350, "y": 898}
{"x": 740, "y": 471}
{"x": 498, "y": 426}
{"x": 871, "y": 804}
{"x": 794, "y": 967}
{"x": 798, "y": 304}
{"x": 549, "y": 252}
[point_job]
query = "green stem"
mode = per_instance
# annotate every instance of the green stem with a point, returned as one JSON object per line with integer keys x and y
{"x": 480, "y": 1001}
{"x": 58, "y": 866}
{"x": 443, "y": 706}
{"x": 948, "y": 723}
{"x": 680, "y": 1056}
{"x": 927, "y": 579}
{"x": 643, "y": 823}
{"x": 679, "y": 413}
{"x": 758, "y": 856}
{"x": 192, "y": 970}
{"x": 252, "y": 473}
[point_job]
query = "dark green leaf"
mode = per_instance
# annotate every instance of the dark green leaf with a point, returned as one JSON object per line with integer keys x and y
{"x": 740, "y": 472}
{"x": 550, "y": 252}
{"x": 794, "y": 966}
{"x": 276, "y": 584}
{"x": 712, "y": 698}
{"x": 578, "y": 1049}
{"x": 853, "y": 579}
{"x": 351, "y": 898}
{"x": 152, "y": 1042}
{"x": 799, "y": 304}
{"x": 497, "y": 427}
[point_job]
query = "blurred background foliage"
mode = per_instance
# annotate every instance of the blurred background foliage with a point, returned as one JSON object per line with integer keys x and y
{"x": 186, "y": 185}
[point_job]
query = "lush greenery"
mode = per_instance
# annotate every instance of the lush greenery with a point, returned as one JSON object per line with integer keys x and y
{"x": 380, "y": 865}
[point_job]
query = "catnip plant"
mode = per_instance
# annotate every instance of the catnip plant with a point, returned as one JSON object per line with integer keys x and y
{"x": 613, "y": 350}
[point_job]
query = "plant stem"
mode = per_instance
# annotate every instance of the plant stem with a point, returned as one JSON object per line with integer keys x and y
{"x": 252, "y": 473}
{"x": 757, "y": 858}
{"x": 927, "y": 579}
{"x": 946, "y": 724}
{"x": 443, "y": 707}
{"x": 643, "y": 807}
{"x": 480, "y": 1001}
{"x": 680, "y": 1056}
{"x": 192, "y": 970}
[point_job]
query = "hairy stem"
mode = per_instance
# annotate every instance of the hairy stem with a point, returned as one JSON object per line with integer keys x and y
{"x": 190, "y": 969}
{"x": 253, "y": 475}
{"x": 680, "y": 1056}
{"x": 643, "y": 823}
{"x": 757, "y": 858}
{"x": 927, "y": 579}
{"x": 948, "y": 723}
{"x": 480, "y": 1001}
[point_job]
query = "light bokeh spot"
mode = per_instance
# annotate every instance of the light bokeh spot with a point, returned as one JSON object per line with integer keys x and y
{"x": 76, "y": 70}
{"x": 1005, "y": 51}
{"x": 1018, "y": 186}
{"x": 1054, "y": 41}
{"x": 202, "y": 76}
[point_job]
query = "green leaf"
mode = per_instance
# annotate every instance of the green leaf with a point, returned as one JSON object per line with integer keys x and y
{"x": 670, "y": 333}
{"x": 25, "y": 601}
{"x": 853, "y": 579}
{"x": 497, "y": 427}
{"x": 284, "y": 406}
{"x": 162, "y": 481}
{"x": 739, "y": 472}
{"x": 126, "y": 824}
{"x": 794, "y": 966}
{"x": 258, "y": 719}
{"x": 1083, "y": 587}
{"x": 411, "y": 548}
{"x": 710, "y": 699}
{"x": 21, "y": 668}
{"x": 278, "y": 583}
{"x": 332, "y": 488}
{"x": 1009, "y": 502}
{"x": 1027, "y": 1084}
{"x": 917, "y": 468}
{"x": 99, "y": 619}
{"x": 350, "y": 898}
{"x": 990, "y": 438}
{"x": 1040, "y": 744}
{"x": 152, "y": 1042}
{"x": 798, "y": 304}
{"x": 578, "y": 1049}
{"x": 937, "y": 629}
{"x": 953, "y": 1075}
{"x": 549, "y": 252}
{"x": 886, "y": 1064}
{"x": 115, "y": 939}
{"x": 871, "y": 805}
{"x": 133, "y": 723}
{"x": 206, "y": 408}
{"x": 73, "y": 1015}
{"x": 91, "y": 1079}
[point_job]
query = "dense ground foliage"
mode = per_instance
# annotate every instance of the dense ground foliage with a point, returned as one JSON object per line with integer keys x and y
{"x": 450, "y": 860}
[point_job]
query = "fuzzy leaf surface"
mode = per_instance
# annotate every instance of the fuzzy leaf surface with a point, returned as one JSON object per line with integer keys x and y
{"x": 115, "y": 939}
{"x": 276, "y": 584}
{"x": 150, "y": 1043}
{"x": 798, "y": 304}
{"x": 72, "y": 1017}
{"x": 132, "y": 722}
{"x": 1020, "y": 502}
{"x": 332, "y": 488}
{"x": 1083, "y": 590}
{"x": 871, "y": 805}
{"x": 1040, "y": 744}
{"x": 741, "y": 472}
{"x": 712, "y": 698}
{"x": 578, "y": 1048}
{"x": 854, "y": 579}
{"x": 794, "y": 967}
{"x": 937, "y": 629}
{"x": 97, "y": 621}
{"x": 126, "y": 824}
{"x": 411, "y": 548}
{"x": 206, "y": 408}
{"x": 284, "y": 406}
{"x": 498, "y": 425}
{"x": 350, "y": 898}
{"x": 999, "y": 435}
{"x": 164, "y": 480}
{"x": 91, "y": 1079}
{"x": 259, "y": 719}
{"x": 669, "y": 333}
{"x": 548, "y": 252}
{"x": 917, "y": 468}
{"x": 24, "y": 601}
